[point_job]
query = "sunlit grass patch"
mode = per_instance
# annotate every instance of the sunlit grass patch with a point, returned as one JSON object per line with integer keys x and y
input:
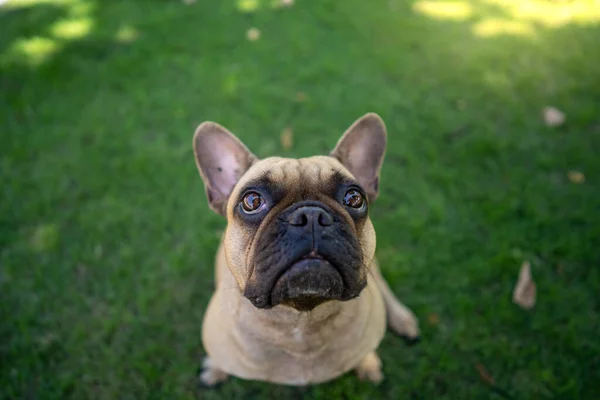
{"x": 72, "y": 28}
{"x": 496, "y": 26}
{"x": 31, "y": 3}
{"x": 446, "y": 10}
{"x": 517, "y": 18}
{"x": 32, "y": 51}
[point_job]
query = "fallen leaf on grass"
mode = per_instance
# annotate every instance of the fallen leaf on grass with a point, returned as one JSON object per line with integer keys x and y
{"x": 433, "y": 319}
{"x": 47, "y": 340}
{"x": 98, "y": 251}
{"x": 81, "y": 271}
{"x": 45, "y": 238}
{"x": 253, "y": 34}
{"x": 127, "y": 34}
{"x": 484, "y": 374}
{"x": 301, "y": 97}
{"x": 287, "y": 138}
{"x": 524, "y": 293}
{"x": 553, "y": 116}
{"x": 576, "y": 176}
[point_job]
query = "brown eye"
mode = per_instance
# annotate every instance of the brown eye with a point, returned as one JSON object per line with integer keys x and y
{"x": 252, "y": 202}
{"x": 353, "y": 199}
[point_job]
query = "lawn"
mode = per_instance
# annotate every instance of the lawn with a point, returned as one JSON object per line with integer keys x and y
{"x": 107, "y": 242}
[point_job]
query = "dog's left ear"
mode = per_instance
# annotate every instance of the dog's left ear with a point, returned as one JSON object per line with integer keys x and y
{"x": 361, "y": 150}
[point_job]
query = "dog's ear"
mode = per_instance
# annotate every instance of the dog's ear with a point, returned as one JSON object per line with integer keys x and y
{"x": 221, "y": 159}
{"x": 361, "y": 150}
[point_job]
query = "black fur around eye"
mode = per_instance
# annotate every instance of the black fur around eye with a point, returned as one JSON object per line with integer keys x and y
{"x": 353, "y": 199}
{"x": 252, "y": 203}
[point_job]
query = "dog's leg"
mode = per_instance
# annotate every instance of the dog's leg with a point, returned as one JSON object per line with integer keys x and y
{"x": 211, "y": 375}
{"x": 400, "y": 318}
{"x": 369, "y": 368}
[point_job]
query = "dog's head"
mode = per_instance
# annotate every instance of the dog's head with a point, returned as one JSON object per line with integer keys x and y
{"x": 298, "y": 230}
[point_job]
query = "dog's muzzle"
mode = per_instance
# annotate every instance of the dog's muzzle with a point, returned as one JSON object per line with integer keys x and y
{"x": 317, "y": 259}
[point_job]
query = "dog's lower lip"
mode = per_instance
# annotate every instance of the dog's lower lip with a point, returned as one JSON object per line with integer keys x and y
{"x": 308, "y": 279}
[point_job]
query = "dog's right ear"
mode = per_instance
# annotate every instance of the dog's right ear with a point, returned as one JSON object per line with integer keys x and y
{"x": 221, "y": 159}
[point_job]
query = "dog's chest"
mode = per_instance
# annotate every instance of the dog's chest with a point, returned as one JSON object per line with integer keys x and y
{"x": 288, "y": 348}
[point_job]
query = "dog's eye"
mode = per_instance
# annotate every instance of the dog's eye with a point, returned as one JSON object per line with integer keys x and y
{"x": 353, "y": 198}
{"x": 252, "y": 202}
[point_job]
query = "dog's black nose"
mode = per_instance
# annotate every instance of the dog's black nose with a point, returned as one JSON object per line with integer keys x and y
{"x": 309, "y": 216}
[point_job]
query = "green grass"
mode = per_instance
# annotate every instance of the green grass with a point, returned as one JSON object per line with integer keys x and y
{"x": 107, "y": 242}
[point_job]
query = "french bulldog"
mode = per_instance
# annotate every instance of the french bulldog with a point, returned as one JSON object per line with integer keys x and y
{"x": 299, "y": 297}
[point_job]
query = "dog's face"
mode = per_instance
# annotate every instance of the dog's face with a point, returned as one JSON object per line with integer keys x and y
{"x": 298, "y": 230}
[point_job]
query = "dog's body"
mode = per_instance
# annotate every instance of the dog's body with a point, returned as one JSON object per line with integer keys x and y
{"x": 283, "y": 345}
{"x": 299, "y": 296}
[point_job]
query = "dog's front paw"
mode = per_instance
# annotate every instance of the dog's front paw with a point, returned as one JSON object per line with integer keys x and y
{"x": 403, "y": 322}
{"x": 369, "y": 369}
{"x": 211, "y": 375}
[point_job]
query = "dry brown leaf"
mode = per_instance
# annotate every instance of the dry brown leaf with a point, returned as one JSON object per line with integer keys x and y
{"x": 253, "y": 34}
{"x": 47, "y": 339}
{"x": 301, "y": 97}
{"x": 287, "y": 138}
{"x": 576, "y": 176}
{"x": 433, "y": 319}
{"x": 98, "y": 251}
{"x": 524, "y": 293}
{"x": 127, "y": 34}
{"x": 81, "y": 270}
{"x": 553, "y": 116}
{"x": 484, "y": 374}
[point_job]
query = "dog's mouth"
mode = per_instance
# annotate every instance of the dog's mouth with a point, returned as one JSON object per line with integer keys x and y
{"x": 308, "y": 282}
{"x": 313, "y": 255}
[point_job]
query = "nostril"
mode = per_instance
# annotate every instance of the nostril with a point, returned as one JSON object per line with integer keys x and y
{"x": 325, "y": 219}
{"x": 303, "y": 220}
{"x": 298, "y": 219}
{"x": 310, "y": 215}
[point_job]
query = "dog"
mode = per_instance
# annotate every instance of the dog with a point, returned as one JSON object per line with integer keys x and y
{"x": 299, "y": 296}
